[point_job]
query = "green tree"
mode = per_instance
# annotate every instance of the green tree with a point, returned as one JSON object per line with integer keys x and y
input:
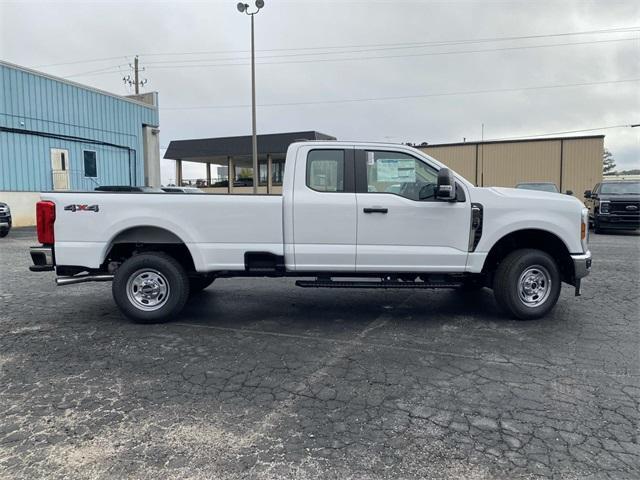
{"x": 608, "y": 163}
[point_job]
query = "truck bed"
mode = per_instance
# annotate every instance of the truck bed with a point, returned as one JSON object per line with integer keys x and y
{"x": 217, "y": 229}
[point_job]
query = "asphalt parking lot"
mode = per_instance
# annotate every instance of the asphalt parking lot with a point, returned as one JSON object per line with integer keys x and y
{"x": 260, "y": 379}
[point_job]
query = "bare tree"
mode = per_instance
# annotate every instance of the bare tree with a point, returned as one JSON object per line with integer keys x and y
{"x": 608, "y": 163}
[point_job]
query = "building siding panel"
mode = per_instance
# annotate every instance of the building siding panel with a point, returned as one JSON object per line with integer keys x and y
{"x": 461, "y": 159}
{"x": 506, "y": 164}
{"x": 582, "y": 165}
{"x": 37, "y": 103}
{"x": 571, "y": 163}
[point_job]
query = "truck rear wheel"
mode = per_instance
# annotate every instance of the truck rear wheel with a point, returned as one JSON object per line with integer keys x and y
{"x": 527, "y": 284}
{"x": 150, "y": 287}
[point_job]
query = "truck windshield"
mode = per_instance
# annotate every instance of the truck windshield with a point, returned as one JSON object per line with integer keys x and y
{"x": 620, "y": 188}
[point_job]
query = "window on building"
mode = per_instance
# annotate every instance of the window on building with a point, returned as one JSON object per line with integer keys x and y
{"x": 325, "y": 170}
{"x": 277, "y": 172}
{"x": 90, "y": 164}
{"x": 264, "y": 174}
{"x": 401, "y": 174}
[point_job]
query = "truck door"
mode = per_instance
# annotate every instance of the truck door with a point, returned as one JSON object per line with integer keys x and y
{"x": 324, "y": 210}
{"x": 401, "y": 225}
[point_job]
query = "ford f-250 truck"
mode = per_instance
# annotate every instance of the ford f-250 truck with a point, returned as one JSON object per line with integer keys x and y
{"x": 352, "y": 215}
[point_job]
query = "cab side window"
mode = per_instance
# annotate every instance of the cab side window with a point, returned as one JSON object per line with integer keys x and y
{"x": 400, "y": 174}
{"x": 325, "y": 170}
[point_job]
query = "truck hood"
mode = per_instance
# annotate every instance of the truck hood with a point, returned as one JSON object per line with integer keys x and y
{"x": 533, "y": 195}
{"x": 619, "y": 198}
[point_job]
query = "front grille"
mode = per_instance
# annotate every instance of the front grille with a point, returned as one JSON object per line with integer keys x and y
{"x": 3, "y": 210}
{"x": 620, "y": 208}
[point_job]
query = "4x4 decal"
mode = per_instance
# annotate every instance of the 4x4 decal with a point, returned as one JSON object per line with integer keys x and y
{"x": 82, "y": 208}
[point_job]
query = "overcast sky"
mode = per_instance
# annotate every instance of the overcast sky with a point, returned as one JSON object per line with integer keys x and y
{"x": 387, "y": 51}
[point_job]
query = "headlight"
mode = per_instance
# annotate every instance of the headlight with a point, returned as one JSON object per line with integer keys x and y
{"x": 604, "y": 207}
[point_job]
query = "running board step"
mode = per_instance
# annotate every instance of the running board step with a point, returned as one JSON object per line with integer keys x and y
{"x": 372, "y": 284}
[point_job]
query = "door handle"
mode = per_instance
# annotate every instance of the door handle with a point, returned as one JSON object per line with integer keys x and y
{"x": 375, "y": 210}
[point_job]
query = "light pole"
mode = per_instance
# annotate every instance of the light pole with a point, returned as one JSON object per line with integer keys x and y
{"x": 244, "y": 8}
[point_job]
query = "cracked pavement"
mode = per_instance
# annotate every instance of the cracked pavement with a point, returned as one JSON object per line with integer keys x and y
{"x": 260, "y": 379}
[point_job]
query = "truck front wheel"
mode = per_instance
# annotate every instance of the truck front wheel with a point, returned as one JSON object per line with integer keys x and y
{"x": 150, "y": 287}
{"x": 527, "y": 284}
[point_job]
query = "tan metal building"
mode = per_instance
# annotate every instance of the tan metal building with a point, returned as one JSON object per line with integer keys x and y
{"x": 572, "y": 163}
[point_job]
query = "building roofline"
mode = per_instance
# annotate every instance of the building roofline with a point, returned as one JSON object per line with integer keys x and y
{"x": 260, "y": 135}
{"x": 239, "y": 145}
{"x": 75, "y": 84}
{"x": 515, "y": 140}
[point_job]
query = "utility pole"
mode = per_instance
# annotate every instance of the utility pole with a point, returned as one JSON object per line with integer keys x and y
{"x": 136, "y": 82}
{"x": 135, "y": 68}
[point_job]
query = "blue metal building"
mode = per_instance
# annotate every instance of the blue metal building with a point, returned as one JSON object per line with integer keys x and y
{"x": 60, "y": 135}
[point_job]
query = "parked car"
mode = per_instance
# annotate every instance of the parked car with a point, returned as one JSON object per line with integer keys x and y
{"x": 614, "y": 205}
{"x": 5, "y": 220}
{"x": 329, "y": 229}
{"x": 127, "y": 188}
{"x": 181, "y": 190}
{"x": 541, "y": 187}
{"x": 243, "y": 182}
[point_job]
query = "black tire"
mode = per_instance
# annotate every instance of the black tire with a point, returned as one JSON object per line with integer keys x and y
{"x": 4, "y": 233}
{"x": 539, "y": 273}
{"x": 197, "y": 284}
{"x": 164, "y": 274}
{"x": 596, "y": 227}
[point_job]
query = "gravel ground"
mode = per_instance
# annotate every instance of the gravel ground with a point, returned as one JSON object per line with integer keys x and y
{"x": 260, "y": 379}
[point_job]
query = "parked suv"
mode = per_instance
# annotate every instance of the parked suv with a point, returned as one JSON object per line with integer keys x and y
{"x": 614, "y": 205}
{"x": 5, "y": 219}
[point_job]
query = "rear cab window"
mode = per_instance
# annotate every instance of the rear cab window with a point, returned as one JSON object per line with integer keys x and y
{"x": 326, "y": 170}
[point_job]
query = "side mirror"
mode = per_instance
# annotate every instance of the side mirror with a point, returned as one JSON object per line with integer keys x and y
{"x": 569, "y": 192}
{"x": 446, "y": 185}
{"x": 587, "y": 194}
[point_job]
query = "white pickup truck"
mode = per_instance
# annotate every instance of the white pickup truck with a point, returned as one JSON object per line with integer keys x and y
{"x": 352, "y": 215}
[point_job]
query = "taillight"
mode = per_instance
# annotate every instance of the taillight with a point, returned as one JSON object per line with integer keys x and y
{"x": 45, "y": 217}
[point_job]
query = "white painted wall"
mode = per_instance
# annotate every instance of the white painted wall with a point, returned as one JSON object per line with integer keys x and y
{"x": 23, "y": 207}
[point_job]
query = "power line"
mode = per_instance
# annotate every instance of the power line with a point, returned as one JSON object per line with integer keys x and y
{"x": 109, "y": 69}
{"x": 407, "y": 97}
{"x": 183, "y": 63}
{"x": 412, "y": 44}
{"x": 608, "y": 127}
{"x": 390, "y": 45}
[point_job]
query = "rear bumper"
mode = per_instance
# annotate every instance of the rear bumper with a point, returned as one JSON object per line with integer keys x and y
{"x": 42, "y": 258}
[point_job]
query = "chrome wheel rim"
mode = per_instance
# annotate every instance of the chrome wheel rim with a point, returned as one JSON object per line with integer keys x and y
{"x": 534, "y": 286}
{"x": 148, "y": 289}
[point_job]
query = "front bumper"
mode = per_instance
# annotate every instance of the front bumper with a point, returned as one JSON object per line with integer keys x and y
{"x": 581, "y": 268}
{"x": 42, "y": 258}
{"x": 619, "y": 222}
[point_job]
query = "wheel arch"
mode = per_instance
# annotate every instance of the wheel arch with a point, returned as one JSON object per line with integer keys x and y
{"x": 147, "y": 238}
{"x": 536, "y": 238}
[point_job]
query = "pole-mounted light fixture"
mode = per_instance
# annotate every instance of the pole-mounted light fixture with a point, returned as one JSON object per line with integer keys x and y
{"x": 244, "y": 8}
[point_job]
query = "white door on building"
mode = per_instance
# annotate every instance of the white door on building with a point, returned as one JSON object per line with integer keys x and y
{"x": 60, "y": 168}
